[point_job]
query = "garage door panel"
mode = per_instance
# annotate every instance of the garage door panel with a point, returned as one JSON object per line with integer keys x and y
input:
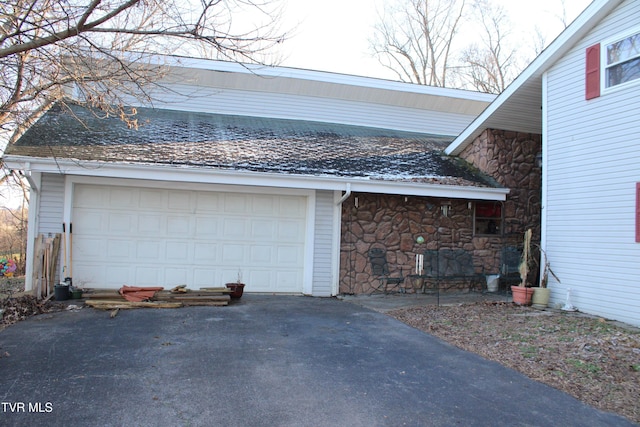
{"x": 288, "y": 256}
{"x": 179, "y": 201}
{"x": 120, "y": 223}
{"x": 205, "y": 252}
{"x": 91, "y": 220}
{"x": 290, "y": 207}
{"x": 179, "y": 276}
{"x": 206, "y": 277}
{"x": 234, "y": 254}
{"x": 150, "y": 224}
{"x": 235, "y": 228}
{"x": 162, "y": 237}
{"x": 179, "y": 225}
{"x": 287, "y": 279}
{"x": 263, "y": 206}
{"x": 235, "y": 203}
{"x": 207, "y": 228}
{"x": 262, "y": 280}
{"x": 117, "y": 273}
{"x": 147, "y": 276}
{"x": 151, "y": 199}
{"x": 178, "y": 251}
{"x": 86, "y": 197}
{"x": 206, "y": 202}
{"x": 264, "y": 229}
{"x": 123, "y": 197}
{"x": 290, "y": 230}
{"x": 119, "y": 249}
{"x": 261, "y": 255}
{"x": 148, "y": 250}
{"x": 89, "y": 247}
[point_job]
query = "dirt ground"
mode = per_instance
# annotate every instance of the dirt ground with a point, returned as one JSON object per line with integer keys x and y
{"x": 15, "y": 306}
{"x": 595, "y": 360}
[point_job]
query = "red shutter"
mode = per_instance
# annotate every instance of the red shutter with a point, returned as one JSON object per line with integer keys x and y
{"x": 638, "y": 212}
{"x": 592, "y": 78}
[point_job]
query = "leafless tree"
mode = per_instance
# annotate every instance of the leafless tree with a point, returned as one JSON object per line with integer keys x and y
{"x": 491, "y": 63}
{"x": 541, "y": 38}
{"x": 13, "y": 235}
{"x": 468, "y": 44}
{"x": 415, "y": 39}
{"x": 98, "y": 50}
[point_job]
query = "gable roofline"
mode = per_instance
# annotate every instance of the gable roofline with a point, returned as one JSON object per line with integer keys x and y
{"x": 518, "y": 107}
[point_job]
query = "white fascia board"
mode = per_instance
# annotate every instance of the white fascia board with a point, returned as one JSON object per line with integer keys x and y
{"x": 247, "y": 178}
{"x": 594, "y": 13}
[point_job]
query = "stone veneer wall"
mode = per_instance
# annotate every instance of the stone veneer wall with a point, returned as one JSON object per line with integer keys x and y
{"x": 394, "y": 222}
{"x": 510, "y": 158}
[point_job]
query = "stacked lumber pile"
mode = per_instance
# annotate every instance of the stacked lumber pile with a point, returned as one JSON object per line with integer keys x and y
{"x": 179, "y": 296}
{"x": 46, "y": 251}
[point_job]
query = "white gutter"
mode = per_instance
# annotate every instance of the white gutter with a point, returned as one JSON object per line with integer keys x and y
{"x": 247, "y": 178}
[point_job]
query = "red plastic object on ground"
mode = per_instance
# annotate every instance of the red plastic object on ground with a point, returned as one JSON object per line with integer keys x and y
{"x": 137, "y": 294}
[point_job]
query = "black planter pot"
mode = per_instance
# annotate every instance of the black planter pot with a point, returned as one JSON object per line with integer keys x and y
{"x": 61, "y": 292}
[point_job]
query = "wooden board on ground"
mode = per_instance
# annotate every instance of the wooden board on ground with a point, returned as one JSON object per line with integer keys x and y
{"x": 111, "y": 298}
{"x": 221, "y": 289}
{"x": 195, "y": 295}
{"x": 200, "y": 303}
{"x": 110, "y": 304}
{"x": 103, "y": 295}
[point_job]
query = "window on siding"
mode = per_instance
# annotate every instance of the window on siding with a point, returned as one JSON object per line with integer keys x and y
{"x": 487, "y": 218}
{"x": 622, "y": 60}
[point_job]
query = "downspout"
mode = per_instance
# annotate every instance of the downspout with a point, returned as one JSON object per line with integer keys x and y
{"x": 345, "y": 196}
{"x": 27, "y": 174}
{"x": 338, "y": 219}
{"x": 34, "y": 180}
{"x": 543, "y": 174}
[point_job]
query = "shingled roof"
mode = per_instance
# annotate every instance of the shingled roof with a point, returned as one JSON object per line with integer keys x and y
{"x": 168, "y": 137}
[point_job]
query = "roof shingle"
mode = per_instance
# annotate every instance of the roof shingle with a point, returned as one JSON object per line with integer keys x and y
{"x": 168, "y": 137}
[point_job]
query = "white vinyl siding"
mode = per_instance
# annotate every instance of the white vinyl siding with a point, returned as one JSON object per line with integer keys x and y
{"x": 297, "y": 107}
{"x": 593, "y": 153}
{"x": 323, "y": 242}
{"x": 51, "y": 204}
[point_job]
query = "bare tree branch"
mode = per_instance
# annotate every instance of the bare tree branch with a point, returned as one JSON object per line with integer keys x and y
{"x": 98, "y": 50}
{"x": 490, "y": 65}
{"x": 415, "y": 39}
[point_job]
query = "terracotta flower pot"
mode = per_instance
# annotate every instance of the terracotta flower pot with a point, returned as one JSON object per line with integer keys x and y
{"x": 522, "y": 295}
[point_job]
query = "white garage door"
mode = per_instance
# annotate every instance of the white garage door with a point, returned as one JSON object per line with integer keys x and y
{"x": 160, "y": 237}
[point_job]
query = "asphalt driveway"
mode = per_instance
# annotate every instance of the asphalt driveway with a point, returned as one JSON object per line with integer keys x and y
{"x": 266, "y": 361}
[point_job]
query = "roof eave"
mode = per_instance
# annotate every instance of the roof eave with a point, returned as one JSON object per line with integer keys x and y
{"x": 151, "y": 172}
{"x": 595, "y": 12}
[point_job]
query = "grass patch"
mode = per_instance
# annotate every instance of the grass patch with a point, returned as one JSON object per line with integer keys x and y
{"x": 583, "y": 366}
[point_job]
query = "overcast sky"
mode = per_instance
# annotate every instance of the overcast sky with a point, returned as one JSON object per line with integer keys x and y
{"x": 333, "y": 35}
